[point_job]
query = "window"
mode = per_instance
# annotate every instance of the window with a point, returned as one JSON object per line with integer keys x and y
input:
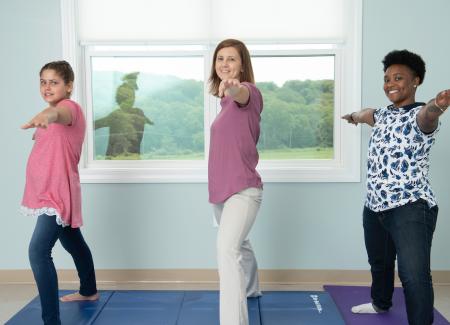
{"x": 149, "y": 106}
{"x": 162, "y": 118}
{"x": 149, "y": 110}
{"x": 297, "y": 120}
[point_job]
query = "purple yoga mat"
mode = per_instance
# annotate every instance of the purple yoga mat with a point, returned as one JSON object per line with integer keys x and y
{"x": 346, "y": 297}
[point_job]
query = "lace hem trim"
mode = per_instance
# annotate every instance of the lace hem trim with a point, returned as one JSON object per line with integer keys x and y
{"x": 28, "y": 212}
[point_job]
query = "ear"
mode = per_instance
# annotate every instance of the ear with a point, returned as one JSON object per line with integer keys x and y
{"x": 69, "y": 87}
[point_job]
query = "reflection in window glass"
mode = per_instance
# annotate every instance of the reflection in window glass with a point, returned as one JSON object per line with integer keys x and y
{"x": 148, "y": 108}
{"x": 297, "y": 119}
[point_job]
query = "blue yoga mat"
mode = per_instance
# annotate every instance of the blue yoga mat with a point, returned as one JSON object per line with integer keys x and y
{"x": 141, "y": 307}
{"x": 348, "y": 296}
{"x": 202, "y": 307}
{"x": 79, "y": 313}
{"x": 136, "y": 307}
{"x": 294, "y": 307}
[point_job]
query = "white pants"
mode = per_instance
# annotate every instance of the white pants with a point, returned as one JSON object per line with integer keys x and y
{"x": 238, "y": 270}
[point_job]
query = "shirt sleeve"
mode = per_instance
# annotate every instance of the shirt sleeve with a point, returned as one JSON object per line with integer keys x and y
{"x": 417, "y": 128}
{"x": 376, "y": 114}
{"x": 255, "y": 100}
{"x": 74, "y": 109}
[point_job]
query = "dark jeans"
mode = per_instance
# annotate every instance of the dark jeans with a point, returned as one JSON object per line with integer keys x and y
{"x": 45, "y": 235}
{"x": 407, "y": 232}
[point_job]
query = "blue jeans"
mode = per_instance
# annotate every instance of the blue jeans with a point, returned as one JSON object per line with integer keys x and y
{"x": 45, "y": 235}
{"x": 405, "y": 232}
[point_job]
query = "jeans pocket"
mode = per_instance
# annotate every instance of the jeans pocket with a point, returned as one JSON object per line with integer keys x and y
{"x": 429, "y": 213}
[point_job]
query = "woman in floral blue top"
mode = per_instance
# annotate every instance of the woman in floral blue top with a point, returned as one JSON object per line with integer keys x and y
{"x": 400, "y": 211}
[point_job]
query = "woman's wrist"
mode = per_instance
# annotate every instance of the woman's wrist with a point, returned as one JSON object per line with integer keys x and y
{"x": 233, "y": 91}
{"x": 442, "y": 109}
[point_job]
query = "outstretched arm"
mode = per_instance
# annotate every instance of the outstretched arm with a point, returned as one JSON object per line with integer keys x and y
{"x": 58, "y": 114}
{"x": 428, "y": 116}
{"x": 233, "y": 88}
{"x": 363, "y": 116}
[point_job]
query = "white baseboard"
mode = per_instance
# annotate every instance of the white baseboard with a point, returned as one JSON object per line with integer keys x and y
{"x": 205, "y": 276}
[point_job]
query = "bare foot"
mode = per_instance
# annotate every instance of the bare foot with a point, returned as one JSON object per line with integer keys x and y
{"x": 77, "y": 297}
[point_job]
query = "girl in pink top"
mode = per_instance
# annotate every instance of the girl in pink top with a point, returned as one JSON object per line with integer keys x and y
{"x": 235, "y": 187}
{"x": 52, "y": 190}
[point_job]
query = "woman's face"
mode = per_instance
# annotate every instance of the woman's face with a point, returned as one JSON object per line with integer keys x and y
{"x": 400, "y": 85}
{"x": 228, "y": 63}
{"x": 53, "y": 88}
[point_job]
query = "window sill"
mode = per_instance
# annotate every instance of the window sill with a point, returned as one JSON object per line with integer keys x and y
{"x": 270, "y": 173}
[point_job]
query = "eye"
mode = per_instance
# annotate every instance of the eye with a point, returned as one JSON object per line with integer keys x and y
{"x": 397, "y": 78}
{"x": 53, "y": 83}
{"x": 42, "y": 82}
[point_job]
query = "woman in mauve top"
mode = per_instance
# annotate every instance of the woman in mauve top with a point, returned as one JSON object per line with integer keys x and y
{"x": 52, "y": 190}
{"x": 235, "y": 187}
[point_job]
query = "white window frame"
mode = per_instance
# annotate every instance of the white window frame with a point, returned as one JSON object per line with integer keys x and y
{"x": 345, "y": 167}
{"x": 143, "y": 170}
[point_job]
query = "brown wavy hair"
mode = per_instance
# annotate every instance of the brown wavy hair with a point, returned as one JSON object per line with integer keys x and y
{"x": 246, "y": 75}
{"x": 62, "y": 68}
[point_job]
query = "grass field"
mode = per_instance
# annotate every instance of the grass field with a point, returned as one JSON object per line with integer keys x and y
{"x": 299, "y": 153}
{"x": 276, "y": 154}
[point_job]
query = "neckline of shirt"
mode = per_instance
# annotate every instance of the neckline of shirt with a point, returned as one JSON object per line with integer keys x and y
{"x": 406, "y": 108}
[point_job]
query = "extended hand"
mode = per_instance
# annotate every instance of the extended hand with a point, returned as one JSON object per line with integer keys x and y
{"x": 39, "y": 121}
{"x": 443, "y": 99}
{"x": 349, "y": 118}
{"x": 229, "y": 87}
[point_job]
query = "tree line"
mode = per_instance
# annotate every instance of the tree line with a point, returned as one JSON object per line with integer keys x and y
{"x": 299, "y": 114}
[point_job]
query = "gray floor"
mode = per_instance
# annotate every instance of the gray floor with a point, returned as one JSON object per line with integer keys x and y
{"x": 14, "y": 296}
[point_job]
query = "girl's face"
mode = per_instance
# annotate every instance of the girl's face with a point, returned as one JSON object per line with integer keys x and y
{"x": 53, "y": 88}
{"x": 400, "y": 85}
{"x": 228, "y": 63}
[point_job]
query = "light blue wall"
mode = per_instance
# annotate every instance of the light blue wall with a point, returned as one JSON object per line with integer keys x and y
{"x": 302, "y": 226}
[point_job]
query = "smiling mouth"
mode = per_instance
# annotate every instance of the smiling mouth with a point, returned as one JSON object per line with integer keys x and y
{"x": 392, "y": 91}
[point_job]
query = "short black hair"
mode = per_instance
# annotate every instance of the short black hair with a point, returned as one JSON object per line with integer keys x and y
{"x": 405, "y": 57}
